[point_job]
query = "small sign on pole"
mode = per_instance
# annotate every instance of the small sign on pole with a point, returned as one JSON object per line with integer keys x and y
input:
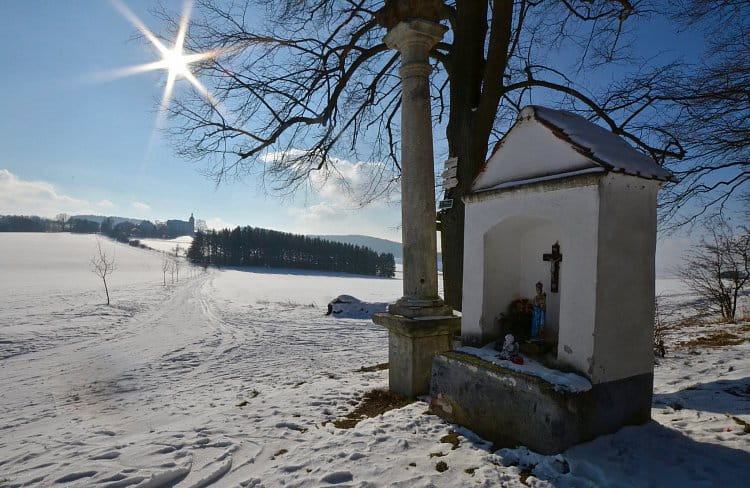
{"x": 450, "y": 174}
{"x": 445, "y": 204}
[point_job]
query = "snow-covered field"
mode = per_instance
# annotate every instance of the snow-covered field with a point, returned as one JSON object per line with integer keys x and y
{"x": 232, "y": 378}
{"x": 178, "y": 244}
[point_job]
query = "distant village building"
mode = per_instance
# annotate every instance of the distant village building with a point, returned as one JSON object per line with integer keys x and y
{"x": 177, "y": 228}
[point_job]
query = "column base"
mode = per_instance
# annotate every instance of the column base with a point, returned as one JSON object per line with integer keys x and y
{"x": 420, "y": 307}
{"x": 412, "y": 343}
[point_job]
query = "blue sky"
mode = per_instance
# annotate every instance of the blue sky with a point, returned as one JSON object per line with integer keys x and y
{"x": 73, "y": 144}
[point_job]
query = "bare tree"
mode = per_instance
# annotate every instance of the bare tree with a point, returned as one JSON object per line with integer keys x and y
{"x": 103, "y": 265}
{"x": 702, "y": 104}
{"x": 176, "y": 264}
{"x": 62, "y": 219}
{"x": 659, "y": 347}
{"x": 313, "y": 82}
{"x": 166, "y": 266}
{"x": 718, "y": 269}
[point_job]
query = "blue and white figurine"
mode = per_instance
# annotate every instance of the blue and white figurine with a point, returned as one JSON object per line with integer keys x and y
{"x": 540, "y": 310}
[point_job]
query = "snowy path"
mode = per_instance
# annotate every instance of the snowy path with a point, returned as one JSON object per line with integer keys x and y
{"x": 152, "y": 401}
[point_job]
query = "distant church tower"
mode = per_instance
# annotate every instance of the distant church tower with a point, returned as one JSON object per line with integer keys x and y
{"x": 191, "y": 221}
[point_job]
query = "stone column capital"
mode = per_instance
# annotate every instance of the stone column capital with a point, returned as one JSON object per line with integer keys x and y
{"x": 416, "y": 33}
{"x": 414, "y": 39}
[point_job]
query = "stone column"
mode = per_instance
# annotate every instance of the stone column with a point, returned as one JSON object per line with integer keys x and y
{"x": 414, "y": 39}
{"x": 420, "y": 325}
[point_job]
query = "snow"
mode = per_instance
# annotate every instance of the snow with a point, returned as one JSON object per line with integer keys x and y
{"x": 169, "y": 245}
{"x": 605, "y": 145}
{"x": 565, "y": 382}
{"x": 349, "y": 307}
{"x": 207, "y": 381}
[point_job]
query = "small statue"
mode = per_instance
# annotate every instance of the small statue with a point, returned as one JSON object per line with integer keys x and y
{"x": 540, "y": 310}
{"x": 510, "y": 348}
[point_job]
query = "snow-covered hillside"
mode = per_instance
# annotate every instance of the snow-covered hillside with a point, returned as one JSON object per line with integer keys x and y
{"x": 233, "y": 378}
{"x": 169, "y": 245}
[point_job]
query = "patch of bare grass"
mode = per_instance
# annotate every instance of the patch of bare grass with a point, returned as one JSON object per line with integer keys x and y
{"x": 452, "y": 439}
{"x": 372, "y": 369}
{"x": 745, "y": 426}
{"x": 280, "y": 452}
{"x": 524, "y": 475}
{"x": 374, "y": 403}
{"x": 717, "y": 339}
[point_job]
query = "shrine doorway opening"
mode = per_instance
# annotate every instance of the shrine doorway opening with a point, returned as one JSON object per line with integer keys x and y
{"x": 514, "y": 262}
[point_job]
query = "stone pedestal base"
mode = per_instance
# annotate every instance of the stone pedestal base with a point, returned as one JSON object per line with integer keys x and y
{"x": 511, "y": 408}
{"x": 412, "y": 343}
{"x": 420, "y": 307}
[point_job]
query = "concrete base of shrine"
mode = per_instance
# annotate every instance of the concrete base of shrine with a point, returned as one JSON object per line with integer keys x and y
{"x": 511, "y": 408}
{"x": 412, "y": 343}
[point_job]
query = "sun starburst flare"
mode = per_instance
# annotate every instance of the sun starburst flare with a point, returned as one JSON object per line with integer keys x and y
{"x": 174, "y": 59}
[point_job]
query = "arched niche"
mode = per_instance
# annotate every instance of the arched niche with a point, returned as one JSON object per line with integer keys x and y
{"x": 513, "y": 264}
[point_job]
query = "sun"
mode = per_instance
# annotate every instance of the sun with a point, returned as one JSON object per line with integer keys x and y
{"x": 174, "y": 60}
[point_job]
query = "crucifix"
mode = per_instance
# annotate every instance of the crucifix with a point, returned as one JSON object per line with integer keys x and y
{"x": 554, "y": 259}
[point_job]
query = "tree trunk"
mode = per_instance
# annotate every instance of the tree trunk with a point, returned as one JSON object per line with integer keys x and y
{"x": 475, "y": 91}
{"x": 106, "y": 290}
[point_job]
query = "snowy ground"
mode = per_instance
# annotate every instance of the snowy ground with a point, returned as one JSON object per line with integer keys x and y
{"x": 231, "y": 378}
{"x": 180, "y": 244}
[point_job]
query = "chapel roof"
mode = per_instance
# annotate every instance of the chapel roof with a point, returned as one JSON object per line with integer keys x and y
{"x": 545, "y": 143}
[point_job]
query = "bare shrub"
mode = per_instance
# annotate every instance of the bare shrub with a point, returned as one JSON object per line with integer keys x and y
{"x": 103, "y": 265}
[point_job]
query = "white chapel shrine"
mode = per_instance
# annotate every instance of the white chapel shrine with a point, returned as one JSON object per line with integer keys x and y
{"x": 565, "y": 207}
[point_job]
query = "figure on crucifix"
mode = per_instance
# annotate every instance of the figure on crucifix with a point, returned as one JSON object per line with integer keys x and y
{"x": 540, "y": 310}
{"x": 554, "y": 259}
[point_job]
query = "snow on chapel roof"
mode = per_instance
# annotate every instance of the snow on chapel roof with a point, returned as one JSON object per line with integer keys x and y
{"x": 547, "y": 144}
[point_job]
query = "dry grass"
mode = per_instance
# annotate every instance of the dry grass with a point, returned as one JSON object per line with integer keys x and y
{"x": 745, "y": 426}
{"x": 372, "y": 369}
{"x": 524, "y": 475}
{"x": 441, "y": 466}
{"x": 374, "y": 403}
{"x": 452, "y": 439}
{"x": 717, "y": 339}
{"x": 280, "y": 452}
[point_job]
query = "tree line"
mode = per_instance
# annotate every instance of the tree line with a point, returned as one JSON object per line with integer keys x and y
{"x": 250, "y": 246}
{"x": 111, "y": 227}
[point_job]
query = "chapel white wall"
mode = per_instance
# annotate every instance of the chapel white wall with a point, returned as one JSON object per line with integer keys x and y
{"x": 573, "y": 206}
{"x": 516, "y": 160}
{"x": 623, "y": 341}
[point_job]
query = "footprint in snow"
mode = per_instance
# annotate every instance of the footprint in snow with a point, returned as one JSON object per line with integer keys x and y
{"x": 105, "y": 455}
{"x": 337, "y": 477}
{"x": 68, "y": 478}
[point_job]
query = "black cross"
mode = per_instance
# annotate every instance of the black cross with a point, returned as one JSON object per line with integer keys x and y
{"x": 554, "y": 258}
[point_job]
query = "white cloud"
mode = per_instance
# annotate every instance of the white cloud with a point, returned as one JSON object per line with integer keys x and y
{"x": 217, "y": 223}
{"x": 345, "y": 198}
{"x": 140, "y": 207}
{"x": 345, "y": 184}
{"x": 324, "y": 219}
{"x": 354, "y": 185}
{"x": 105, "y": 204}
{"x": 27, "y": 197}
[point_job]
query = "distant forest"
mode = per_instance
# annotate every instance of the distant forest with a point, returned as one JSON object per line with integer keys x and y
{"x": 246, "y": 246}
{"x": 114, "y": 227}
{"x": 249, "y": 246}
